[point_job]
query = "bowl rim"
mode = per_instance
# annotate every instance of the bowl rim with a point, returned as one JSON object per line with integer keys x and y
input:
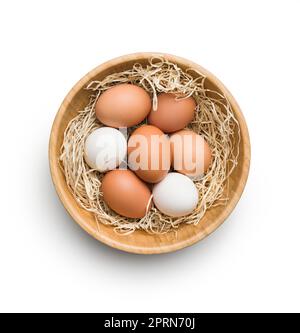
{"x": 54, "y": 168}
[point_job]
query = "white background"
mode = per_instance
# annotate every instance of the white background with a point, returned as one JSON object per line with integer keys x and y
{"x": 251, "y": 263}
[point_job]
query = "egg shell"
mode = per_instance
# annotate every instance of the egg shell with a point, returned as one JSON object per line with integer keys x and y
{"x": 176, "y": 195}
{"x": 172, "y": 114}
{"x": 152, "y": 155}
{"x": 105, "y": 148}
{"x": 125, "y": 193}
{"x": 190, "y": 153}
{"x": 123, "y": 105}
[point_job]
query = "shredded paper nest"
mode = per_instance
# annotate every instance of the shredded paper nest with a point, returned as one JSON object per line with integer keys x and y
{"x": 214, "y": 120}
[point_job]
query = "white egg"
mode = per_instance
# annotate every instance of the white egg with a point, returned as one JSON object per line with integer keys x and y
{"x": 176, "y": 195}
{"x": 105, "y": 148}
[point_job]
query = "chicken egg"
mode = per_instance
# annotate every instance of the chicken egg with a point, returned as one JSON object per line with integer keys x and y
{"x": 149, "y": 153}
{"x": 123, "y": 105}
{"x": 105, "y": 148}
{"x": 125, "y": 193}
{"x": 190, "y": 153}
{"x": 176, "y": 195}
{"x": 172, "y": 114}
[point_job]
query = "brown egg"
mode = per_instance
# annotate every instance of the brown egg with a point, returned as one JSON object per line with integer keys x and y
{"x": 149, "y": 153}
{"x": 123, "y": 105}
{"x": 125, "y": 193}
{"x": 172, "y": 115}
{"x": 190, "y": 153}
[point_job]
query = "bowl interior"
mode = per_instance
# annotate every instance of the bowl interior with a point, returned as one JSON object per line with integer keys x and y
{"x": 139, "y": 241}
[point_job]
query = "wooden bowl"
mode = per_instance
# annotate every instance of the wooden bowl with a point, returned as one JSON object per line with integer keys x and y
{"x": 140, "y": 241}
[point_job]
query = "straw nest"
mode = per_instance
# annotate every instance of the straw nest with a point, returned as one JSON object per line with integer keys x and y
{"x": 214, "y": 120}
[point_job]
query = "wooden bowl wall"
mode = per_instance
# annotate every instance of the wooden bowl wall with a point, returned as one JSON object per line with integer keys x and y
{"x": 139, "y": 241}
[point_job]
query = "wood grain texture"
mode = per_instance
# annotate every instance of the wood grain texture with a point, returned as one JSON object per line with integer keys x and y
{"x": 139, "y": 241}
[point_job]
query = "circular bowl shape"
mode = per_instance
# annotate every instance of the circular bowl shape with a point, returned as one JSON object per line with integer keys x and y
{"x": 140, "y": 241}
